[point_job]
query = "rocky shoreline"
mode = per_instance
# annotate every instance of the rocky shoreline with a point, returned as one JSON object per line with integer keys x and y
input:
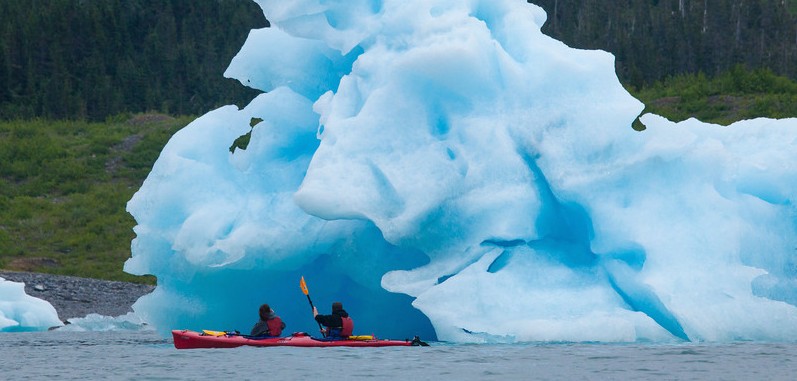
{"x": 75, "y": 297}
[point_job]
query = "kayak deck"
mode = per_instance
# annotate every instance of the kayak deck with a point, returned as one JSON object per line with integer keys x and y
{"x": 187, "y": 339}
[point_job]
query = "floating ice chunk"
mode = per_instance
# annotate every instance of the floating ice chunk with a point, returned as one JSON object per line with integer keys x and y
{"x": 100, "y": 323}
{"x": 20, "y": 312}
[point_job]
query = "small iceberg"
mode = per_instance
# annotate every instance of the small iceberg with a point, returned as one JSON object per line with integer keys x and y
{"x": 101, "y": 323}
{"x": 20, "y": 312}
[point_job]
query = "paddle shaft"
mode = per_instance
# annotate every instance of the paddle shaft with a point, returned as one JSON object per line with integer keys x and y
{"x": 311, "y": 309}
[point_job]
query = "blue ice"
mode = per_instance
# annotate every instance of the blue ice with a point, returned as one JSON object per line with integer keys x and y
{"x": 445, "y": 169}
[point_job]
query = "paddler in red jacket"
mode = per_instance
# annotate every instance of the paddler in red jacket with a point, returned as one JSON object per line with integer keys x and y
{"x": 269, "y": 325}
{"x": 338, "y": 324}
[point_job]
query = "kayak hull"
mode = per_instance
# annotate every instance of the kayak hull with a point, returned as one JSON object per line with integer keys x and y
{"x": 186, "y": 339}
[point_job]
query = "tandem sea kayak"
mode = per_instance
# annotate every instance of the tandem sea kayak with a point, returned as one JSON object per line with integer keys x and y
{"x": 186, "y": 339}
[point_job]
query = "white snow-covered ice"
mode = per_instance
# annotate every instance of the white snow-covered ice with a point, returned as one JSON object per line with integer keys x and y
{"x": 101, "y": 323}
{"x": 445, "y": 169}
{"x": 20, "y": 312}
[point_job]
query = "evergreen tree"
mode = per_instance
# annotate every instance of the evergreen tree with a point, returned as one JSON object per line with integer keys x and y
{"x": 95, "y": 58}
{"x": 91, "y": 59}
{"x": 656, "y": 39}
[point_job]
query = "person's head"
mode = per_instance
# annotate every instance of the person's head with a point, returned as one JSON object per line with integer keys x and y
{"x": 337, "y": 306}
{"x": 265, "y": 310}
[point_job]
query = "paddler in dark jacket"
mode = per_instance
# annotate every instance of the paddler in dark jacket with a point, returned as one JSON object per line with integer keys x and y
{"x": 338, "y": 324}
{"x": 269, "y": 325}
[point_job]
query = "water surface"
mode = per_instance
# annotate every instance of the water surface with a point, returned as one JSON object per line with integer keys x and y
{"x": 146, "y": 356}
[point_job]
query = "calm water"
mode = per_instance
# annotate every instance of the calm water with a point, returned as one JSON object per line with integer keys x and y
{"x": 146, "y": 356}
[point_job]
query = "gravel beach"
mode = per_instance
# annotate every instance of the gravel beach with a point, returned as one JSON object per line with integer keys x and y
{"x": 75, "y": 297}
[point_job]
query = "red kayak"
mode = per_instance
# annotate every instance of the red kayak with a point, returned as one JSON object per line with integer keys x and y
{"x": 185, "y": 339}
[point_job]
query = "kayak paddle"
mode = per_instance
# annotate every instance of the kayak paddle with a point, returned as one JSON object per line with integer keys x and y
{"x": 306, "y": 292}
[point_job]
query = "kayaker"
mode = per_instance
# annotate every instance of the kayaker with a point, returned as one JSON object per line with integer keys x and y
{"x": 338, "y": 324}
{"x": 269, "y": 325}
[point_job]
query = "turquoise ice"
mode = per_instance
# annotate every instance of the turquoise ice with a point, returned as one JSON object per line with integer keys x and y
{"x": 445, "y": 169}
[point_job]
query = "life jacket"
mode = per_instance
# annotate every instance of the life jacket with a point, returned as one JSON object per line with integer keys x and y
{"x": 348, "y": 326}
{"x": 275, "y": 326}
{"x": 342, "y": 332}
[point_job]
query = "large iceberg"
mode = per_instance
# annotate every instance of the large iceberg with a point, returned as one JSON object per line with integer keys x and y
{"x": 445, "y": 169}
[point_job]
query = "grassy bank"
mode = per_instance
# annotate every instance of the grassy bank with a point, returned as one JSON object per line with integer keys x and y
{"x": 735, "y": 95}
{"x": 63, "y": 190}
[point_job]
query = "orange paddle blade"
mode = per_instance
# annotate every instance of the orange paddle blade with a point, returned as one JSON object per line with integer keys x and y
{"x": 304, "y": 287}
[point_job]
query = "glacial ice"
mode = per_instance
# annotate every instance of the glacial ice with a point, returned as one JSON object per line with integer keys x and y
{"x": 101, "y": 323}
{"x": 445, "y": 169}
{"x": 20, "y": 312}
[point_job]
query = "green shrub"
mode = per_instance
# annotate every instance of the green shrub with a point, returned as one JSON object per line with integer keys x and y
{"x": 730, "y": 96}
{"x": 64, "y": 186}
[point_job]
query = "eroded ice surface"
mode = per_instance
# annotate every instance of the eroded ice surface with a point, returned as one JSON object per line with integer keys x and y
{"x": 443, "y": 168}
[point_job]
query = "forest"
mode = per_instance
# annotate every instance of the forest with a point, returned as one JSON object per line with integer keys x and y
{"x": 656, "y": 39}
{"x": 91, "y": 59}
